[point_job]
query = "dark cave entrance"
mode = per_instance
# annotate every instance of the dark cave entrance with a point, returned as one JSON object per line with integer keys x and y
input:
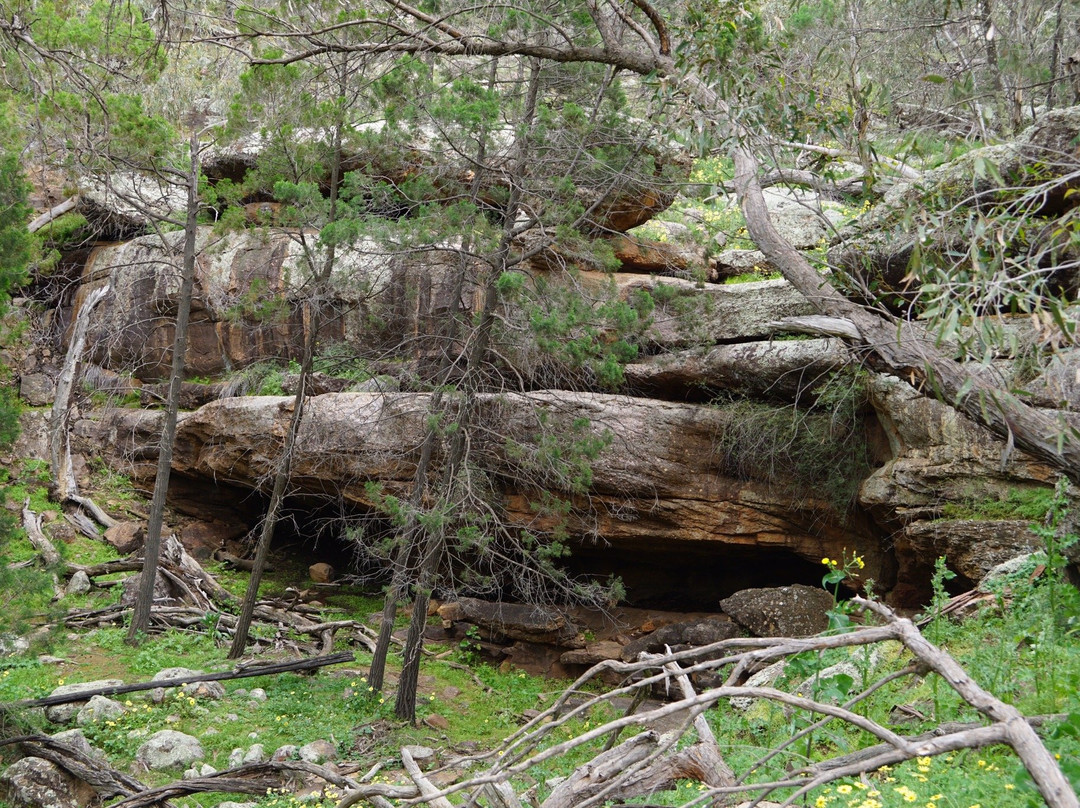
{"x": 687, "y": 577}
{"x": 677, "y": 576}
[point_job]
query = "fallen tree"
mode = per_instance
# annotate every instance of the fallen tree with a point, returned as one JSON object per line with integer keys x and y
{"x": 648, "y": 762}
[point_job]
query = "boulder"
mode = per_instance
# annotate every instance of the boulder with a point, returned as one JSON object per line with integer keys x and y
{"x": 786, "y": 370}
{"x": 321, "y": 573}
{"x": 205, "y": 690}
{"x": 168, "y": 749}
{"x": 126, "y": 537}
{"x": 424, "y": 756}
{"x": 98, "y": 709}
{"x": 785, "y": 611}
{"x": 33, "y": 782}
{"x": 79, "y": 584}
{"x": 659, "y": 481}
{"x": 515, "y": 621}
{"x": 37, "y": 389}
{"x": 972, "y": 547}
{"x": 681, "y": 636}
{"x": 801, "y": 217}
{"x": 256, "y": 753}
{"x": 733, "y": 263}
{"x": 663, "y": 248}
{"x": 592, "y": 653}
{"x": 63, "y": 713}
{"x": 76, "y": 739}
{"x": 318, "y": 751}
{"x": 287, "y": 752}
{"x": 201, "y": 538}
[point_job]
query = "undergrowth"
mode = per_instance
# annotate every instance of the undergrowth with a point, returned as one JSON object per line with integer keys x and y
{"x": 1023, "y": 646}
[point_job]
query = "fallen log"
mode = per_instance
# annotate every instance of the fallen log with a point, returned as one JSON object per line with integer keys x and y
{"x": 240, "y": 672}
{"x": 106, "y": 781}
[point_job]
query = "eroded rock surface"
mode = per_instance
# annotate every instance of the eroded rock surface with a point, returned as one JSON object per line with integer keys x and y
{"x": 33, "y": 782}
{"x": 786, "y": 611}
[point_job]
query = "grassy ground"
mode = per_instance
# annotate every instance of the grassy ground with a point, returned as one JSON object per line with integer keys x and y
{"x": 1023, "y": 646}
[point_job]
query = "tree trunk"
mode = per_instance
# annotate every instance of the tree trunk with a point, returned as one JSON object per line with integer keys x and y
{"x": 321, "y": 277}
{"x": 405, "y": 704}
{"x": 140, "y": 619}
{"x": 59, "y": 457}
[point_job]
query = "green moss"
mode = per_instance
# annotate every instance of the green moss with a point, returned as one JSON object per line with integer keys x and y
{"x": 1031, "y": 504}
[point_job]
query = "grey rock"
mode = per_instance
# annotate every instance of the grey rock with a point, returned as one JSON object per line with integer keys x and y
{"x": 205, "y": 690}
{"x": 205, "y": 770}
{"x": 63, "y": 713}
{"x": 257, "y": 694}
{"x": 10, "y": 645}
{"x": 231, "y": 804}
{"x": 174, "y": 673}
{"x": 377, "y": 384}
{"x": 99, "y": 708}
{"x": 424, "y": 756}
{"x": 79, "y": 584}
{"x": 236, "y": 757}
{"x": 190, "y": 774}
{"x": 169, "y": 749}
{"x": 287, "y": 752}
{"x": 785, "y": 611}
{"x": 1002, "y": 572}
{"x": 75, "y": 738}
{"x": 33, "y": 782}
{"x": 680, "y": 636}
{"x": 37, "y": 389}
{"x": 317, "y": 751}
{"x": 763, "y": 678}
{"x": 256, "y": 754}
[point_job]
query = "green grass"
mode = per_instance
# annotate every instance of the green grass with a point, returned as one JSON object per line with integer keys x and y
{"x": 1024, "y": 648}
{"x": 1030, "y": 503}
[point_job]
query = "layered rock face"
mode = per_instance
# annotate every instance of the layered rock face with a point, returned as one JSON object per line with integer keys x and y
{"x": 659, "y": 494}
{"x": 669, "y": 506}
{"x": 665, "y": 509}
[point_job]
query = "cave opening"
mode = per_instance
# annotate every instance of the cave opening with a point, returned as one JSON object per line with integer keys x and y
{"x": 683, "y": 577}
{"x": 687, "y": 577}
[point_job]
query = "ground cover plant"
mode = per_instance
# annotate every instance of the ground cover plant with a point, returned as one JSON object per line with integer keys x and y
{"x": 776, "y": 738}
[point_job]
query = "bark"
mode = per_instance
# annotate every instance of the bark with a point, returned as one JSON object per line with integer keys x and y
{"x": 1021, "y": 736}
{"x": 434, "y": 544}
{"x": 37, "y": 537}
{"x": 59, "y": 454}
{"x": 53, "y": 213}
{"x": 140, "y": 619}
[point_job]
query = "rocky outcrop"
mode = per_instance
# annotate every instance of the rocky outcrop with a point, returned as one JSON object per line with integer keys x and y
{"x": 878, "y": 246}
{"x": 249, "y": 287}
{"x": 787, "y": 370}
{"x": 658, "y": 483}
{"x": 33, "y": 782}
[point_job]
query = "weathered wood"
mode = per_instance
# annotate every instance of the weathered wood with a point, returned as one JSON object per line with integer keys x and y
{"x": 105, "y": 567}
{"x": 59, "y": 454}
{"x": 107, "y": 781}
{"x": 54, "y": 212}
{"x": 36, "y": 536}
{"x": 238, "y": 673}
{"x": 427, "y": 789}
